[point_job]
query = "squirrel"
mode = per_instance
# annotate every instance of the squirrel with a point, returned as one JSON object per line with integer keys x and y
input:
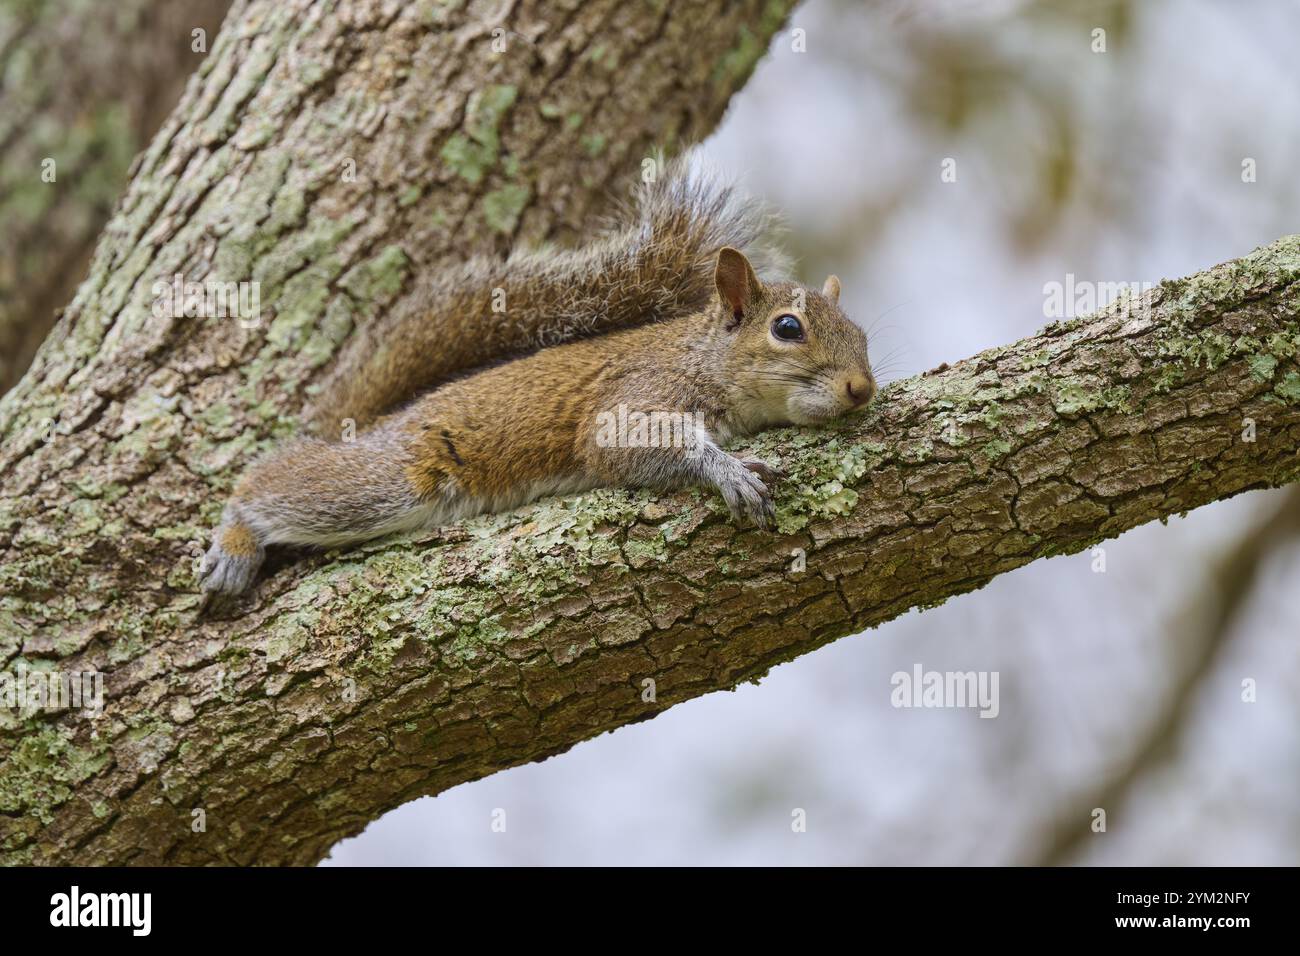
{"x": 661, "y": 324}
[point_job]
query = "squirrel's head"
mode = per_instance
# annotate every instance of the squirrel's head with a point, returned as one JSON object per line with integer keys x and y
{"x": 796, "y": 355}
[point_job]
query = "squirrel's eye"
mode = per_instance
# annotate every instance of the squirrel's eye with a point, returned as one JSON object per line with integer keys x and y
{"x": 789, "y": 328}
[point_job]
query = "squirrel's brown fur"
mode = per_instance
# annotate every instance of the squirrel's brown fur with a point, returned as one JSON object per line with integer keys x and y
{"x": 654, "y": 262}
{"x": 705, "y": 366}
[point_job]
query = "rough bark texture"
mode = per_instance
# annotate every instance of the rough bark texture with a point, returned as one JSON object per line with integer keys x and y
{"x": 85, "y": 84}
{"x": 353, "y": 682}
{"x": 325, "y": 151}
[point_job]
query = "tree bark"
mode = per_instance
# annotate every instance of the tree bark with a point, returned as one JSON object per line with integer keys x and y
{"x": 84, "y": 86}
{"x": 355, "y": 681}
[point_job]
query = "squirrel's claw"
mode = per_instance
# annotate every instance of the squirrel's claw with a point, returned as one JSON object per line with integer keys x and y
{"x": 770, "y": 474}
{"x": 747, "y": 497}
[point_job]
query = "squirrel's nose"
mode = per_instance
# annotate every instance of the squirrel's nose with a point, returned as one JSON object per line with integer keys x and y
{"x": 858, "y": 389}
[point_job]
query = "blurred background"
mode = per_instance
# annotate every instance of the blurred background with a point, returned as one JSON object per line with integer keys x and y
{"x": 1120, "y": 690}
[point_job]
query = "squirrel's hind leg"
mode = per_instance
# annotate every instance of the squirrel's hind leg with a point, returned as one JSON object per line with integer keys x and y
{"x": 317, "y": 494}
{"x": 232, "y": 560}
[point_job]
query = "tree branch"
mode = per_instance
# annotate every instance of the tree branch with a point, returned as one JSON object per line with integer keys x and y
{"x": 355, "y": 681}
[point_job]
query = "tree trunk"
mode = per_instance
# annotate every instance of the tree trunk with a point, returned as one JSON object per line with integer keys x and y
{"x": 83, "y": 86}
{"x": 355, "y": 681}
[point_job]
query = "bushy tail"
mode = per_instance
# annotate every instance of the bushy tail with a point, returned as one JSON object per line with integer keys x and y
{"x": 658, "y": 263}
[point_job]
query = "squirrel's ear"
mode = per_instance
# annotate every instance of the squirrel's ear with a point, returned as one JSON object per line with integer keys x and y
{"x": 831, "y": 289}
{"x": 737, "y": 284}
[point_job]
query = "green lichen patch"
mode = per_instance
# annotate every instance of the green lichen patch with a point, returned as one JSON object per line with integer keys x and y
{"x": 1262, "y": 366}
{"x": 271, "y": 260}
{"x": 379, "y": 278}
{"x": 44, "y": 768}
{"x": 557, "y": 538}
{"x": 997, "y": 448}
{"x": 501, "y": 207}
{"x": 1289, "y": 387}
{"x": 470, "y": 154}
{"x": 1073, "y": 397}
{"x": 821, "y": 481}
{"x": 1036, "y": 359}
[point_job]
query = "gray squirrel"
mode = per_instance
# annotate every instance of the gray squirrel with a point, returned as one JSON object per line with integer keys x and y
{"x": 664, "y": 315}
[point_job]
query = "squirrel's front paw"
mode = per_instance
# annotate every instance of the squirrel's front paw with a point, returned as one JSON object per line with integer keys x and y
{"x": 745, "y": 493}
{"x": 231, "y": 562}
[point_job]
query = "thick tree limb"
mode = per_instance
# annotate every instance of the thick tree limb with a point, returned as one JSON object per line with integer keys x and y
{"x": 354, "y": 682}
